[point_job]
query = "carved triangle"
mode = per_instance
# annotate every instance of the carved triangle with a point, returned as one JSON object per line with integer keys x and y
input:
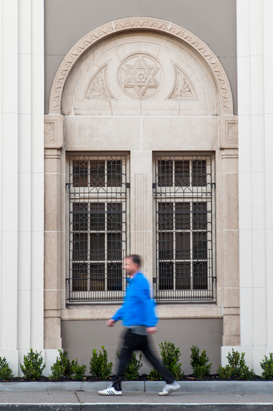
{"x": 98, "y": 88}
{"x": 182, "y": 87}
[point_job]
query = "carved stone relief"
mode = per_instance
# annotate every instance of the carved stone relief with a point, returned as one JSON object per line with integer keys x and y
{"x": 140, "y": 75}
{"x": 53, "y": 131}
{"x": 182, "y": 87}
{"x": 153, "y": 25}
{"x": 98, "y": 87}
{"x": 232, "y": 132}
{"x": 50, "y": 133}
{"x": 229, "y": 133}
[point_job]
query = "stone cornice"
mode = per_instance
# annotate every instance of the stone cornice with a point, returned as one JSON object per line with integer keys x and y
{"x": 141, "y": 23}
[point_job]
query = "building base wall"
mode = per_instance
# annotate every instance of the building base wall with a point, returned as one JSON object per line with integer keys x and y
{"x": 80, "y": 337}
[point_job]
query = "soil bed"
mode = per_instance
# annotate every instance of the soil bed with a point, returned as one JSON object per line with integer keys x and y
{"x": 143, "y": 377}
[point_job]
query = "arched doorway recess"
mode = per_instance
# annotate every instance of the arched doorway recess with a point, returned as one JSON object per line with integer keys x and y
{"x": 142, "y": 86}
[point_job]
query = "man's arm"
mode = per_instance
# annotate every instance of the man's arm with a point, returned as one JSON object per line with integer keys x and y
{"x": 116, "y": 317}
{"x": 151, "y": 330}
{"x": 149, "y": 309}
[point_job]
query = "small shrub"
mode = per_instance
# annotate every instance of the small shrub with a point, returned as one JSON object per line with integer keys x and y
{"x": 62, "y": 367}
{"x": 33, "y": 365}
{"x": 170, "y": 358}
{"x": 5, "y": 370}
{"x": 132, "y": 369}
{"x": 78, "y": 370}
{"x": 99, "y": 365}
{"x": 225, "y": 373}
{"x": 267, "y": 366}
{"x": 236, "y": 368}
{"x": 200, "y": 363}
{"x": 154, "y": 375}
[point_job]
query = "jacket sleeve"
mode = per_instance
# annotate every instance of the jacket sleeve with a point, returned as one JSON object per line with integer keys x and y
{"x": 119, "y": 314}
{"x": 150, "y": 317}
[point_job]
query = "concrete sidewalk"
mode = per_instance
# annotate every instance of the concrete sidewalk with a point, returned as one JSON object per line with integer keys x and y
{"x": 192, "y": 396}
{"x": 80, "y": 400}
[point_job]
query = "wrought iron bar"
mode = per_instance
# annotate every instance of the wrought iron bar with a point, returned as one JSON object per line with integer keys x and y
{"x": 183, "y": 191}
{"x": 97, "y": 191}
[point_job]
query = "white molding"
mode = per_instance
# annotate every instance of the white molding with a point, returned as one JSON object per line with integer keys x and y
{"x": 21, "y": 176}
{"x": 9, "y": 174}
{"x": 255, "y": 113}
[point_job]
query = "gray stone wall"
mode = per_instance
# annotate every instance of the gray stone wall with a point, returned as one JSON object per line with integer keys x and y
{"x": 66, "y": 21}
{"x": 80, "y": 337}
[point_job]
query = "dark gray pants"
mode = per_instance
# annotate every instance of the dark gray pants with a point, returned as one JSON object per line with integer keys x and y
{"x": 131, "y": 343}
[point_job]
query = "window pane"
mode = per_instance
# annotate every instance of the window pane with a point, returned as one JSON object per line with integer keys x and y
{"x": 79, "y": 246}
{"x": 97, "y": 226}
{"x": 114, "y": 173}
{"x": 80, "y": 173}
{"x": 183, "y": 246}
{"x": 114, "y": 277}
{"x": 183, "y": 193}
{"x": 199, "y": 173}
{"x": 183, "y": 276}
{"x": 97, "y": 216}
{"x": 182, "y": 173}
{"x": 165, "y": 246}
{"x": 199, "y": 246}
{"x": 114, "y": 246}
{"x": 80, "y": 217}
{"x": 200, "y": 277}
{"x": 97, "y": 247}
{"x": 97, "y": 173}
{"x": 199, "y": 219}
{"x": 165, "y": 173}
{"x": 97, "y": 277}
{"x": 165, "y": 216}
{"x": 79, "y": 277}
{"x": 114, "y": 217}
{"x": 182, "y": 216}
{"x": 165, "y": 276}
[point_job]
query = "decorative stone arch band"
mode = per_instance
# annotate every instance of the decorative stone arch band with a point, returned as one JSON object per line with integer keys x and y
{"x": 141, "y": 23}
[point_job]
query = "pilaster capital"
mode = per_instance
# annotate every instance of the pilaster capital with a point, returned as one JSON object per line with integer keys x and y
{"x": 229, "y": 132}
{"x": 53, "y": 131}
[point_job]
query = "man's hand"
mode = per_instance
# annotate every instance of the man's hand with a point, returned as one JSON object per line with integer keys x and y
{"x": 110, "y": 323}
{"x": 151, "y": 330}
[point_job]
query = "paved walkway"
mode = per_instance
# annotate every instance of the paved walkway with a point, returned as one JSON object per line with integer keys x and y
{"x": 137, "y": 396}
{"x": 83, "y": 400}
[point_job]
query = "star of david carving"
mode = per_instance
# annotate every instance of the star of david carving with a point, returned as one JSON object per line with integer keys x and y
{"x": 140, "y": 76}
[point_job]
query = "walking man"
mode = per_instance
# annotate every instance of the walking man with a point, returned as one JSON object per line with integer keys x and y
{"x": 138, "y": 315}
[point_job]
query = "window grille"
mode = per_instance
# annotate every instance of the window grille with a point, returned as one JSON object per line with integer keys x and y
{"x": 183, "y": 191}
{"x": 97, "y": 191}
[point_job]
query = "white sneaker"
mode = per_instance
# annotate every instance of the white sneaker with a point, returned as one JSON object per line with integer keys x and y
{"x": 174, "y": 386}
{"x": 110, "y": 391}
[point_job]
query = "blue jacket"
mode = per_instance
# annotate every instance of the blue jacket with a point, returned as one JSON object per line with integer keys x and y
{"x": 138, "y": 307}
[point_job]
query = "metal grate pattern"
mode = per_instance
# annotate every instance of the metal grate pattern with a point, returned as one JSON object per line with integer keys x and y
{"x": 97, "y": 191}
{"x": 183, "y": 192}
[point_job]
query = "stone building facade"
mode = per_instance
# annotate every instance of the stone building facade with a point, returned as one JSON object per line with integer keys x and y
{"x": 123, "y": 131}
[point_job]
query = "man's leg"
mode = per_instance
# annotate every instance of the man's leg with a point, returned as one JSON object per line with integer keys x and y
{"x": 124, "y": 358}
{"x": 145, "y": 348}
